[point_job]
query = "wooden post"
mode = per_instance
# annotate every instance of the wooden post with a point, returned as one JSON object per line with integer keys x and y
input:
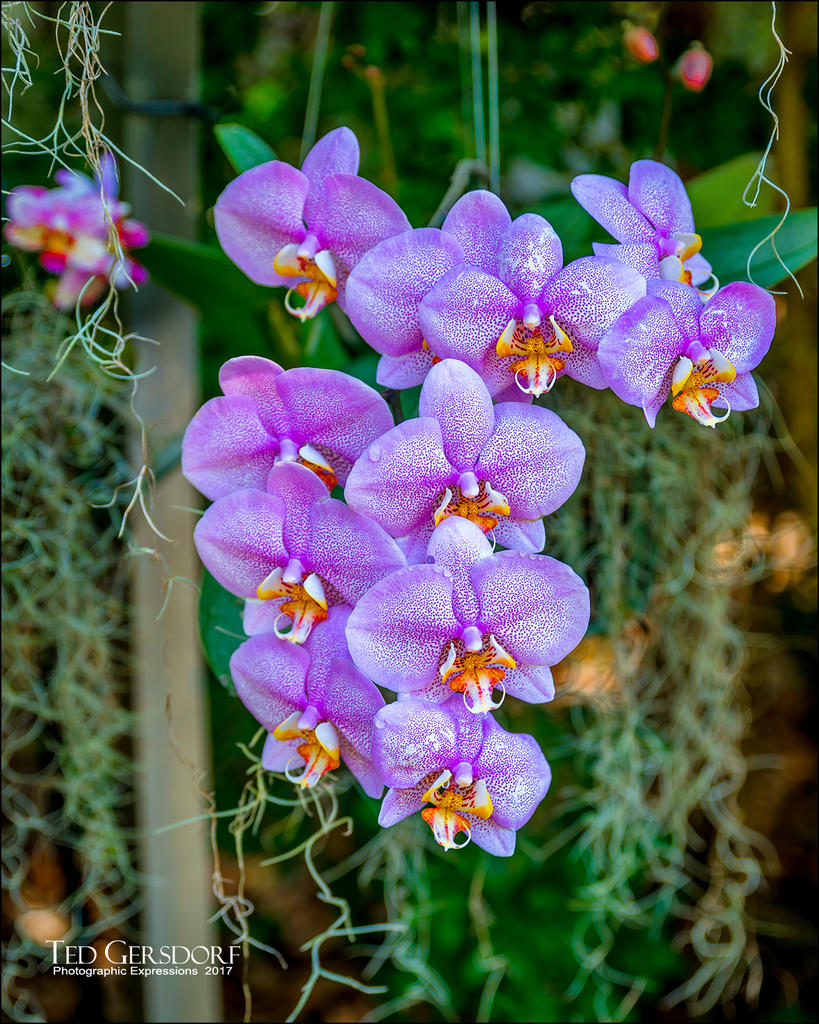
{"x": 162, "y": 61}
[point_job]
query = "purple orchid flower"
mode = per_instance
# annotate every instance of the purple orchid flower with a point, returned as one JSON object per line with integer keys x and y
{"x": 515, "y": 314}
{"x": 668, "y": 343}
{"x": 502, "y": 467}
{"x": 317, "y": 708}
{"x": 68, "y": 227}
{"x": 322, "y": 419}
{"x": 652, "y": 220}
{"x": 306, "y": 229}
{"x": 479, "y": 778}
{"x": 292, "y": 551}
{"x": 470, "y": 621}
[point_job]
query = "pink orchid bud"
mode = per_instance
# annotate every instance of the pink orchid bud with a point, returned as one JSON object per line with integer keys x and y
{"x": 694, "y": 68}
{"x": 641, "y": 44}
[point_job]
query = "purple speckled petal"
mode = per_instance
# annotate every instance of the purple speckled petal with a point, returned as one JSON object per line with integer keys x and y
{"x": 463, "y": 317}
{"x": 583, "y": 365}
{"x": 258, "y": 214}
{"x": 742, "y": 394}
{"x": 639, "y": 350}
{"x": 457, "y": 398}
{"x": 478, "y": 222}
{"x": 353, "y": 216}
{"x": 401, "y": 803}
{"x": 532, "y": 458}
{"x": 351, "y": 703}
{"x": 413, "y": 738}
{"x": 658, "y": 192}
{"x": 642, "y": 256}
{"x": 297, "y": 489}
{"x": 399, "y": 479}
{"x": 739, "y": 321}
{"x": 257, "y": 378}
{"x": 686, "y": 305}
{"x": 336, "y": 153}
{"x": 386, "y": 286}
{"x": 334, "y": 411}
{"x": 588, "y": 295}
{"x": 398, "y": 630}
{"x": 226, "y": 448}
{"x": 456, "y": 545}
{"x": 406, "y": 371}
{"x": 269, "y": 676}
{"x": 239, "y": 539}
{"x": 530, "y": 256}
{"x": 349, "y": 550}
{"x": 531, "y": 683}
{"x": 487, "y": 834}
{"x": 608, "y": 202}
{"x": 521, "y": 535}
{"x": 537, "y": 607}
{"x": 516, "y": 773}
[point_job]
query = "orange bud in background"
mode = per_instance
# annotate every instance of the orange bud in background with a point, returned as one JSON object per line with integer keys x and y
{"x": 694, "y": 68}
{"x": 641, "y": 44}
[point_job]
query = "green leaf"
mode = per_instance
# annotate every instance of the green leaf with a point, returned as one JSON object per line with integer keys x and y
{"x": 716, "y": 195}
{"x": 229, "y": 302}
{"x": 243, "y": 148}
{"x": 220, "y": 628}
{"x": 727, "y": 248}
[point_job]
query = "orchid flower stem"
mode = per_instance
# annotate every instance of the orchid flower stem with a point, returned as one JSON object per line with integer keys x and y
{"x": 316, "y": 79}
{"x": 389, "y": 175}
{"x": 477, "y": 81}
{"x": 494, "y": 116}
{"x": 393, "y": 400}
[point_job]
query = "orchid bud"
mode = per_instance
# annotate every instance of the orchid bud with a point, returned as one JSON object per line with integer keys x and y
{"x": 641, "y": 44}
{"x": 694, "y": 68}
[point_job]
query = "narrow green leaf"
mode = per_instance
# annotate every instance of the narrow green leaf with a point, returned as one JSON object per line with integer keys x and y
{"x": 229, "y": 302}
{"x": 243, "y": 148}
{"x": 220, "y": 628}
{"x": 727, "y": 248}
{"x": 716, "y": 195}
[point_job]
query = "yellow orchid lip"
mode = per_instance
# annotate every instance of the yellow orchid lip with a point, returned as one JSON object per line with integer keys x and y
{"x": 306, "y": 603}
{"x": 451, "y": 800}
{"x": 539, "y": 363}
{"x": 693, "y": 386}
{"x": 319, "y": 750}
{"x": 475, "y": 669}
{"x": 321, "y": 286}
{"x": 480, "y": 504}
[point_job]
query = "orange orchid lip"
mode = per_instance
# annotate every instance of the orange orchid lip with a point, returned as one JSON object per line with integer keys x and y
{"x": 474, "y": 666}
{"x": 306, "y": 603}
{"x": 319, "y": 749}
{"x": 450, "y": 797}
{"x": 693, "y": 386}
{"x": 539, "y": 364}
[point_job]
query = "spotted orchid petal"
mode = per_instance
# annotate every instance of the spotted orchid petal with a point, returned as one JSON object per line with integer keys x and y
{"x": 530, "y": 255}
{"x": 239, "y": 539}
{"x": 413, "y": 739}
{"x": 337, "y": 152}
{"x": 398, "y": 630}
{"x": 659, "y": 194}
{"x": 608, "y": 202}
{"x": 739, "y": 395}
{"x": 739, "y": 321}
{"x": 352, "y": 216}
{"x": 455, "y": 396}
{"x": 478, "y": 222}
{"x": 406, "y": 371}
{"x": 384, "y": 290}
{"x": 532, "y": 458}
{"x": 536, "y": 606}
{"x": 685, "y": 304}
{"x": 462, "y": 318}
{"x": 225, "y": 447}
{"x": 640, "y": 255}
{"x": 399, "y": 477}
{"x": 269, "y": 675}
{"x": 258, "y": 214}
{"x": 516, "y": 773}
{"x": 638, "y": 353}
